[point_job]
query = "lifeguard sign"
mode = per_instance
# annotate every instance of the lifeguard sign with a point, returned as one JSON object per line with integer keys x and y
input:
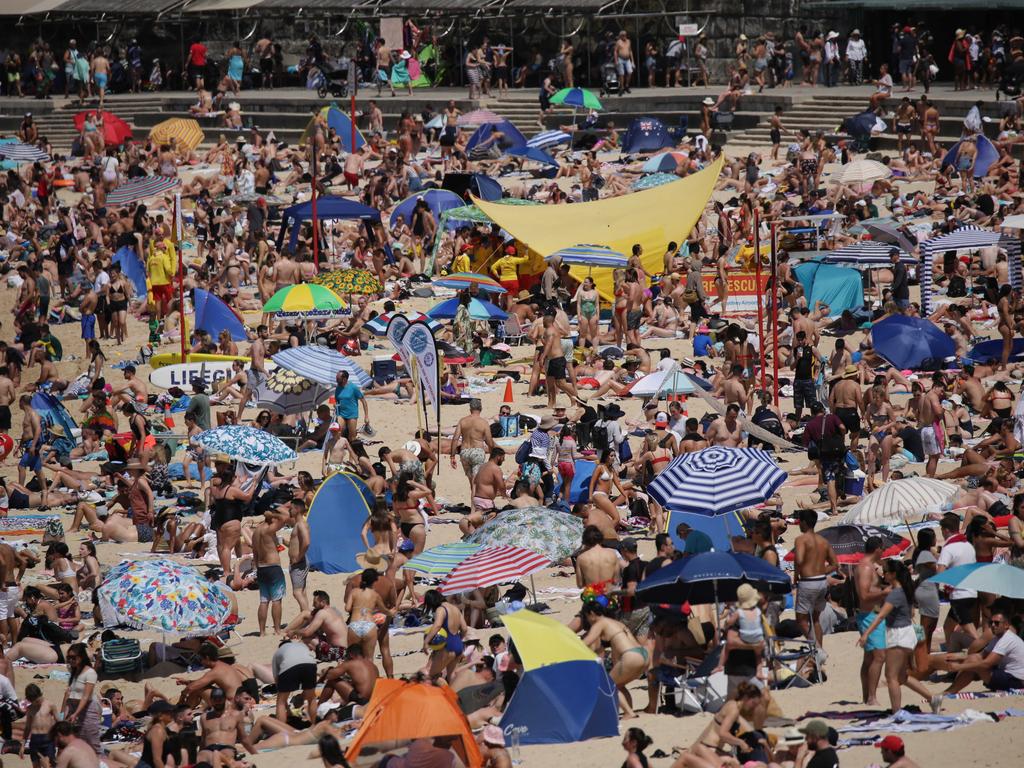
{"x": 688, "y": 30}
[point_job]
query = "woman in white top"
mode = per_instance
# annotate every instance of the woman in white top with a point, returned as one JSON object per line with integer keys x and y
{"x": 81, "y": 704}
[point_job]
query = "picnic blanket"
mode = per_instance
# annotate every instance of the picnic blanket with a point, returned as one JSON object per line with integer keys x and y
{"x": 25, "y": 525}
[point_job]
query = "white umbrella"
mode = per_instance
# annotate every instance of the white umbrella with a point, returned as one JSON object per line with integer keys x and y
{"x": 671, "y": 381}
{"x": 1013, "y": 222}
{"x": 863, "y": 172}
{"x": 900, "y": 501}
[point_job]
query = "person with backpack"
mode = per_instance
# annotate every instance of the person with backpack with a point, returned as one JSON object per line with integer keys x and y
{"x": 824, "y": 438}
{"x": 607, "y": 434}
{"x": 768, "y": 417}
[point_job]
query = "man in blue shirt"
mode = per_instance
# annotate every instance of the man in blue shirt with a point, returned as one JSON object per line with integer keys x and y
{"x": 347, "y": 397}
{"x": 696, "y": 541}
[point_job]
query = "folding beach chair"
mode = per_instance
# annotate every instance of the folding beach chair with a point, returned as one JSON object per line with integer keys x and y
{"x": 697, "y": 688}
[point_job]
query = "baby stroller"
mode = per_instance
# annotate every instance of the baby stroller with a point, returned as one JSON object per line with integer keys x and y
{"x": 335, "y": 83}
{"x": 1010, "y": 80}
{"x": 609, "y": 79}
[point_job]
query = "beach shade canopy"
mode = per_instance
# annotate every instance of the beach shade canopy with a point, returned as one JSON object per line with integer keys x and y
{"x": 460, "y": 281}
{"x": 590, "y": 256}
{"x": 564, "y": 694}
{"x": 437, "y": 200}
{"x": 556, "y": 535}
{"x": 986, "y": 155}
{"x": 868, "y": 253}
{"x": 993, "y": 578}
{"x": 349, "y": 281}
{"x": 404, "y": 710}
{"x": 652, "y": 180}
{"x": 577, "y": 98}
{"x": 19, "y": 152}
{"x": 379, "y": 325}
{"x": 646, "y": 134}
{"x": 340, "y": 121}
{"x": 546, "y": 139}
{"x": 322, "y": 365}
{"x": 860, "y": 125}
{"x": 719, "y": 528}
{"x": 141, "y": 188}
{"x": 493, "y": 565}
{"x": 911, "y": 342}
{"x": 52, "y": 411}
{"x": 305, "y": 300}
{"x": 862, "y": 171}
{"x": 336, "y": 515}
{"x": 164, "y": 596}
{"x": 665, "y": 162}
{"x": 510, "y": 136}
{"x": 185, "y": 132}
{"x": 900, "y": 501}
{"x": 132, "y": 267}
{"x": 479, "y": 117}
{"x": 716, "y": 480}
{"x": 711, "y": 577}
{"x": 439, "y": 560}
{"x": 115, "y": 130}
{"x": 328, "y": 208}
{"x": 670, "y": 381}
{"x": 213, "y": 316}
{"x": 289, "y": 393}
{"x": 848, "y": 541}
{"x": 478, "y": 310}
{"x": 532, "y": 153}
{"x": 992, "y": 349}
{"x": 246, "y": 444}
{"x": 839, "y": 287}
{"x": 476, "y": 184}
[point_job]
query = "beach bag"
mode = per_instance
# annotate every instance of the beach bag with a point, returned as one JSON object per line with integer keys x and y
{"x": 832, "y": 447}
{"x": 121, "y": 656}
{"x": 957, "y": 287}
{"x": 509, "y": 425}
{"x": 690, "y": 296}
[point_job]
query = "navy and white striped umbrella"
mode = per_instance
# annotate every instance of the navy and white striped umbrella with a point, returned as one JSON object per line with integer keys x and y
{"x": 590, "y": 256}
{"x": 717, "y": 480}
{"x": 140, "y": 189}
{"x": 867, "y": 253}
{"x": 379, "y": 325}
{"x": 19, "y": 152}
{"x": 547, "y": 139}
{"x": 321, "y": 365}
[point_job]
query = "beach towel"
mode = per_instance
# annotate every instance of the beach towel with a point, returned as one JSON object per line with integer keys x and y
{"x": 25, "y": 525}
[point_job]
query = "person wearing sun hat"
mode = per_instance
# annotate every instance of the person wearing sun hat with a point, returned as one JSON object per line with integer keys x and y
{"x": 846, "y": 401}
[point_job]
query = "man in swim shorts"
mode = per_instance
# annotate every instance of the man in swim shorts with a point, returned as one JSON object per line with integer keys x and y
{"x": 472, "y": 441}
{"x": 814, "y": 560}
{"x": 488, "y": 485}
{"x": 269, "y": 574}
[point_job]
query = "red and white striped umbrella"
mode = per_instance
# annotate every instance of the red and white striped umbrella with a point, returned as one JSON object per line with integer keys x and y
{"x": 491, "y": 566}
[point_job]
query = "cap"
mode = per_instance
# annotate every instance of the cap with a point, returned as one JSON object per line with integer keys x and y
{"x": 816, "y": 728}
{"x": 335, "y": 427}
{"x": 326, "y": 708}
{"x": 661, "y": 420}
{"x": 628, "y": 544}
{"x": 891, "y": 743}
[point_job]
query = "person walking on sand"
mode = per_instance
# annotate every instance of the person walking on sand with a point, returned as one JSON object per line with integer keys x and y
{"x": 814, "y": 560}
{"x": 870, "y": 594}
{"x": 269, "y": 574}
{"x": 472, "y": 441}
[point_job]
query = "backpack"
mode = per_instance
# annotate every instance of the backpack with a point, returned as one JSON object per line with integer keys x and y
{"x": 957, "y": 287}
{"x": 121, "y": 656}
{"x": 599, "y": 436}
{"x": 832, "y": 446}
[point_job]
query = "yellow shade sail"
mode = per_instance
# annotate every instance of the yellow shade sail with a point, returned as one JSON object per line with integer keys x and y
{"x": 542, "y": 641}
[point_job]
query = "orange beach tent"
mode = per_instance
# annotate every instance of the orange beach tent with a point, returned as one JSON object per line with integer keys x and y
{"x": 402, "y": 710}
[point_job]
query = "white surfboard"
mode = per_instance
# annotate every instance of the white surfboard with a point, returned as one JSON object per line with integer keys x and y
{"x": 183, "y": 374}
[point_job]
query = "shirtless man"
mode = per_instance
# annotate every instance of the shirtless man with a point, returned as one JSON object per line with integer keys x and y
{"x": 31, "y": 443}
{"x": 8, "y": 394}
{"x": 352, "y": 679}
{"x": 732, "y": 388}
{"x": 692, "y": 440}
{"x": 101, "y": 74}
{"x": 472, "y": 440}
{"x": 87, "y": 309}
{"x": 488, "y": 485}
{"x": 12, "y": 568}
{"x": 814, "y": 560}
{"x": 929, "y": 419}
{"x": 286, "y": 271}
{"x": 218, "y": 674}
{"x": 552, "y": 361}
{"x": 223, "y": 727}
{"x": 133, "y": 391}
{"x": 624, "y": 63}
{"x": 970, "y": 386}
{"x": 298, "y": 545}
{"x": 903, "y": 123}
{"x": 635, "y": 300}
{"x": 595, "y": 562}
{"x": 840, "y": 358}
{"x": 269, "y": 575}
{"x": 327, "y": 626}
{"x": 870, "y": 594}
{"x": 726, "y": 430}
{"x": 73, "y": 752}
{"x": 257, "y": 373}
{"x": 353, "y": 170}
{"x": 847, "y": 402}
{"x": 930, "y": 126}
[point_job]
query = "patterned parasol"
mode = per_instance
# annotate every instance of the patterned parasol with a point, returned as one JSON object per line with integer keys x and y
{"x": 305, "y": 300}
{"x": 246, "y": 444}
{"x": 556, "y": 535}
{"x": 343, "y": 281}
{"x": 287, "y": 392}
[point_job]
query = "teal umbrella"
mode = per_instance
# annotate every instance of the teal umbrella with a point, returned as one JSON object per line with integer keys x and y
{"x": 440, "y": 560}
{"x": 994, "y": 578}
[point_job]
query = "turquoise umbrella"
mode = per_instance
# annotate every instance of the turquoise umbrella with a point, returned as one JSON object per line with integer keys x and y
{"x": 993, "y": 578}
{"x": 440, "y": 560}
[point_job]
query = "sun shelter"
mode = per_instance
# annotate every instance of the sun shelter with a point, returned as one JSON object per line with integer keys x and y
{"x": 839, "y": 287}
{"x": 340, "y": 121}
{"x": 965, "y": 238}
{"x": 403, "y": 710}
{"x": 336, "y": 515}
{"x": 646, "y": 135}
{"x": 328, "y": 208}
{"x": 213, "y": 316}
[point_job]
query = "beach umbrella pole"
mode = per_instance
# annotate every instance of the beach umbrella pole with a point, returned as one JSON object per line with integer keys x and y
{"x": 760, "y": 303}
{"x": 183, "y": 322}
{"x": 533, "y": 589}
{"x": 775, "y": 312}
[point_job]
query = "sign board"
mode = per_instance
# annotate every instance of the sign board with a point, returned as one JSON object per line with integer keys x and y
{"x": 391, "y": 30}
{"x": 688, "y": 30}
{"x": 743, "y": 291}
{"x": 183, "y": 374}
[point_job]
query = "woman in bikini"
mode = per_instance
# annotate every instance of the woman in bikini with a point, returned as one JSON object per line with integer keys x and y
{"x": 362, "y": 604}
{"x": 88, "y": 573}
{"x": 655, "y": 456}
{"x": 714, "y": 746}
{"x": 999, "y": 401}
{"x": 1007, "y": 308}
{"x": 117, "y": 298}
{"x": 619, "y": 313}
{"x": 604, "y": 479}
{"x": 407, "y": 507}
{"x": 444, "y": 650}
{"x": 629, "y": 656}
{"x": 382, "y": 527}
{"x": 588, "y": 308}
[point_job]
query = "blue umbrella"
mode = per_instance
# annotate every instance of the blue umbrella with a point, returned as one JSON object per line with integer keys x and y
{"x": 547, "y": 139}
{"x": 711, "y": 577}
{"x": 719, "y": 528}
{"x": 478, "y": 310}
{"x": 716, "y": 480}
{"x": 246, "y": 444}
{"x": 321, "y": 365}
{"x": 590, "y": 256}
{"x": 908, "y": 342}
{"x": 993, "y": 578}
{"x": 437, "y": 200}
{"x": 532, "y": 153}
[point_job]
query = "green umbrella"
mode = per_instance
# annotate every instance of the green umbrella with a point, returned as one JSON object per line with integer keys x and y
{"x": 556, "y": 535}
{"x": 577, "y": 98}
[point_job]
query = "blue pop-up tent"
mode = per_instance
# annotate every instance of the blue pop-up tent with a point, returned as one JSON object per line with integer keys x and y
{"x": 511, "y": 136}
{"x": 839, "y": 287}
{"x": 214, "y": 316}
{"x": 336, "y": 515}
{"x": 646, "y": 134}
{"x": 986, "y": 155}
{"x": 437, "y": 200}
{"x": 909, "y": 342}
{"x": 328, "y": 208}
{"x": 133, "y": 269}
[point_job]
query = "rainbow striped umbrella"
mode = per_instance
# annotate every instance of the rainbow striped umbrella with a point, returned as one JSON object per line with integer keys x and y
{"x": 306, "y": 300}
{"x": 185, "y": 132}
{"x": 440, "y": 560}
{"x": 460, "y": 281}
{"x": 140, "y": 189}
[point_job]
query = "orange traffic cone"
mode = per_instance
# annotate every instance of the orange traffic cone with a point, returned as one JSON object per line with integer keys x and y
{"x": 508, "y": 392}
{"x": 168, "y": 419}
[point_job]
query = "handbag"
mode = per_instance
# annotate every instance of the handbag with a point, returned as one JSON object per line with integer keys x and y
{"x": 625, "y": 452}
{"x": 690, "y": 296}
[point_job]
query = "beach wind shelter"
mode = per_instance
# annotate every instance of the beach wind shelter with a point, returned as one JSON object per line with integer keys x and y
{"x": 651, "y": 218}
{"x": 564, "y": 695}
{"x": 336, "y": 515}
{"x": 965, "y": 238}
{"x": 340, "y": 122}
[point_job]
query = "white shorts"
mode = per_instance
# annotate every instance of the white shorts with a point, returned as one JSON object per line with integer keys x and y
{"x": 929, "y": 442}
{"x": 8, "y": 602}
{"x": 903, "y": 637}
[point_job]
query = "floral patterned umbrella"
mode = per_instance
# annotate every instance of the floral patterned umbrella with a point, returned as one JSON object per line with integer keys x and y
{"x": 350, "y": 281}
{"x": 165, "y": 596}
{"x": 287, "y": 392}
{"x": 556, "y": 535}
{"x": 246, "y": 444}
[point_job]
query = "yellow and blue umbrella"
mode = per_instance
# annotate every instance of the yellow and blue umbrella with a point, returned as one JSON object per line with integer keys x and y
{"x": 307, "y": 300}
{"x": 590, "y": 256}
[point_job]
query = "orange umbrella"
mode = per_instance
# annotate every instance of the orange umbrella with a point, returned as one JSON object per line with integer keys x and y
{"x": 115, "y": 130}
{"x": 402, "y": 710}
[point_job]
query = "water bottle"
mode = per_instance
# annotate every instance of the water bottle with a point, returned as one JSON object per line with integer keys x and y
{"x": 516, "y": 757}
